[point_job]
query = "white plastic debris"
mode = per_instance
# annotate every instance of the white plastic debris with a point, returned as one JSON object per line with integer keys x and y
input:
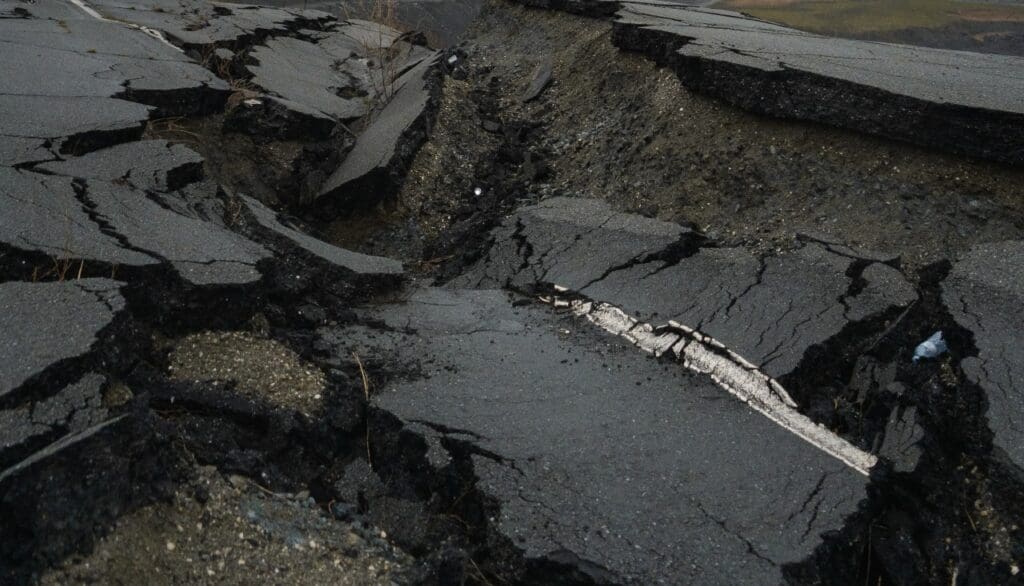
{"x": 478, "y": 191}
{"x": 931, "y": 348}
{"x": 252, "y": 102}
{"x": 453, "y": 60}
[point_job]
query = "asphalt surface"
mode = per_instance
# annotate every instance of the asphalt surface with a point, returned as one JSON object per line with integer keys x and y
{"x": 376, "y": 149}
{"x": 603, "y": 455}
{"x": 598, "y": 452}
{"x": 983, "y": 293}
{"x": 769, "y": 310}
{"x": 48, "y": 322}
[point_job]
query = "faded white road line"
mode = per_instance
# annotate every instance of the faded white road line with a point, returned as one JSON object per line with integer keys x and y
{"x": 729, "y": 370}
{"x": 149, "y": 31}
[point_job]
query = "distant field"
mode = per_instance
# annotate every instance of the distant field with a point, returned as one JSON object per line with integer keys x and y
{"x": 854, "y": 17}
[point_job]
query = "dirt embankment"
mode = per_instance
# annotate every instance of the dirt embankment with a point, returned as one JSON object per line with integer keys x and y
{"x": 613, "y": 125}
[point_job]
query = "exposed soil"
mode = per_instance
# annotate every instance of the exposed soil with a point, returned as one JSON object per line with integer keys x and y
{"x": 615, "y": 126}
{"x": 261, "y": 367}
{"x": 229, "y": 530}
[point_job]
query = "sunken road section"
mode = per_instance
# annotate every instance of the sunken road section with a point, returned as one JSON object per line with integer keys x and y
{"x": 114, "y": 240}
{"x": 956, "y": 101}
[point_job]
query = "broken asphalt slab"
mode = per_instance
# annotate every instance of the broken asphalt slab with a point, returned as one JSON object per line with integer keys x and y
{"x": 387, "y": 145}
{"x": 769, "y": 310}
{"x": 148, "y": 165}
{"x": 635, "y": 468}
{"x": 113, "y": 223}
{"x": 963, "y": 102}
{"x": 984, "y": 293}
{"x": 358, "y": 263}
{"x": 44, "y": 323}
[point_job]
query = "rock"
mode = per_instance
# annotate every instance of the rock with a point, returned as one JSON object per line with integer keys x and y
{"x": 902, "y": 440}
{"x": 540, "y": 81}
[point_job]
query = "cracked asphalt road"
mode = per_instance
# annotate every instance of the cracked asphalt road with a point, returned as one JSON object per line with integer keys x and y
{"x": 581, "y": 393}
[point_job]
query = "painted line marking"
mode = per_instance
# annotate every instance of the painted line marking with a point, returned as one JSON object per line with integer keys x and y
{"x": 705, "y": 355}
{"x": 149, "y": 31}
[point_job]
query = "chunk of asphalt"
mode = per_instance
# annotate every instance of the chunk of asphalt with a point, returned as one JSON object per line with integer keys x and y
{"x": 378, "y": 146}
{"x": 149, "y": 165}
{"x": 596, "y": 450}
{"x": 73, "y": 409}
{"x": 42, "y": 213}
{"x": 155, "y": 73}
{"x": 21, "y": 151}
{"x": 44, "y": 323}
{"x": 540, "y": 81}
{"x": 903, "y": 435}
{"x": 356, "y": 262}
{"x": 985, "y": 295}
{"x": 331, "y": 83}
{"x": 953, "y": 100}
{"x": 75, "y": 84}
{"x": 570, "y": 240}
{"x": 883, "y": 287}
{"x": 201, "y": 252}
{"x": 114, "y": 223}
{"x": 70, "y": 123}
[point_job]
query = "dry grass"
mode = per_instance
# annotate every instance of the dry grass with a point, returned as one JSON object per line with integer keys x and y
{"x": 366, "y": 393}
{"x": 62, "y": 264}
{"x": 241, "y": 88}
{"x": 381, "y": 50}
{"x": 172, "y": 130}
{"x": 840, "y": 17}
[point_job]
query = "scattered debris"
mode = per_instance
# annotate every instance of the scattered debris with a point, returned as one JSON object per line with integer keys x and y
{"x": 933, "y": 347}
{"x": 540, "y": 81}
